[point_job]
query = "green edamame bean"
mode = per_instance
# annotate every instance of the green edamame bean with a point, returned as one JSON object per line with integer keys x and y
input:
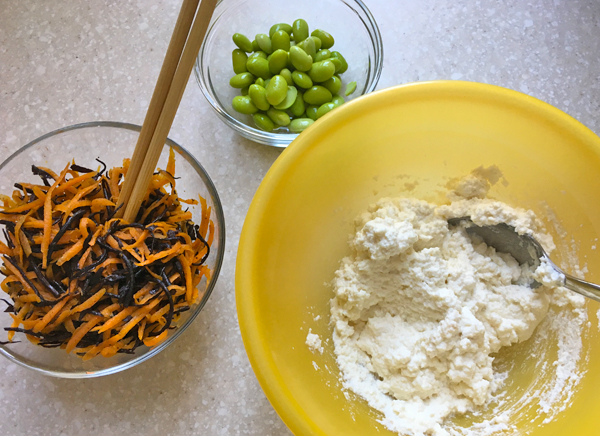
{"x": 242, "y": 42}
{"x": 241, "y": 80}
{"x": 300, "y": 30}
{"x": 280, "y": 40}
{"x": 298, "y": 108}
{"x": 334, "y": 84}
{"x": 327, "y": 40}
{"x": 300, "y": 60}
{"x": 259, "y": 67}
{"x": 238, "y": 59}
{"x": 278, "y": 117}
{"x": 299, "y": 124}
{"x": 264, "y": 42}
{"x": 308, "y": 45}
{"x": 338, "y": 55}
{"x": 258, "y": 54}
{"x": 350, "y": 88}
{"x": 287, "y": 75}
{"x": 320, "y": 71}
{"x": 338, "y": 100}
{"x": 317, "y": 42}
{"x": 290, "y": 98}
{"x": 322, "y": 55}
{"x": 311, "y": 111}
{"x": 280, "y": 26}
{"x": 288, "y": 55}
{"x": 243, "y": 104}
{"x": 263, "y": 122}
{"x": 258, "y": 94}
{"x": 317, "y": 95}
{"x": 301, "y": 79}
{"x": 278, "y": 61}
{"x": 337, "y": 63}
{"x": 324, "y": 108}
{"x": 290, "y": 66}
{"x": 277, "y": 90}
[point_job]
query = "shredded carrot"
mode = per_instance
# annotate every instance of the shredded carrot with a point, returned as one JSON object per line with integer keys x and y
{"x": 25, "y": 207}
{"x": 50, "y": 315}
{"x": 153, "y": 342}
{"x": 171, "y": 162}
{"x": 188, "y": 277}
{"x": 87, "y": 282}
{"x": 89, "y": 303}
{"x": 71, "y": 252}
{"x": 5, "y": 250}
{"x": 48, "y": 218}
{"x": 138, "y": 242}
{"x": 141, "y": 328}
{"x": 115, "y": 320}
{"x": 81, "y": 332}
{"x": 159, "y": 314}
{"x": 84, "y": 258}
{"x": 99, "y": 203}
{"x": 20, "y": 276}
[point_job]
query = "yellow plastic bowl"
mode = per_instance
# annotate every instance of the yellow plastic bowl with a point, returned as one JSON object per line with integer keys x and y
{"x": 403, "y": 141}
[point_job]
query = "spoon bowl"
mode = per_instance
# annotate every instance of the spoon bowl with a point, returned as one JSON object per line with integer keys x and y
{"x": 526, "y": 250}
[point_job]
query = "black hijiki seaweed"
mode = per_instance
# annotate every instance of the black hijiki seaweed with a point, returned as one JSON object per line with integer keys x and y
{"x": 9, "y": 225}
{"x": 9, "y": 306}
{"x": 29, "y": 282}
{"x": 71, "y": 220}
{"x": 102, "y": 170}
{"x": 164, "y": 286}
{"x": 43, "y": 174}
{"x": 42, "y": 277}
{"x": 129, "y": 277}
{"x": 80, "y": 169}
{"x": 27, "y": 190}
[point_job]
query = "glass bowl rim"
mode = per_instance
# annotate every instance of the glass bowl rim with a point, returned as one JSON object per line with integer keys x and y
{"x": 219, "y": 217}
{"x": 284, "y": 139}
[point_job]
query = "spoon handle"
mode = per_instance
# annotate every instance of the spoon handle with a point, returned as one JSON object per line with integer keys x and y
{"x": 582, "y": 287}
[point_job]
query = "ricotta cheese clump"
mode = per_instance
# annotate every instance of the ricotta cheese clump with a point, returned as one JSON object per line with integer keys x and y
{"x": 420, "y": 307}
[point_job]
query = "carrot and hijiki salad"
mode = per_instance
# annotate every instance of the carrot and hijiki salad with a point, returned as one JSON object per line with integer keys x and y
{"x": 81, "y": 279}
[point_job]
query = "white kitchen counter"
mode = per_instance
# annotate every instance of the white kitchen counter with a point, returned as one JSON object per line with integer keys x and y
{"x": 66, "y": 62}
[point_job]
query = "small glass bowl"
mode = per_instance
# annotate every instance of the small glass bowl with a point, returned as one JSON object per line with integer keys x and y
{"x": 111, "y": 142}
{"x": 352, "y": 25}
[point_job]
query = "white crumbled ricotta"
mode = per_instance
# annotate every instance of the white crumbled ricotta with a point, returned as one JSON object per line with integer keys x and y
{"x": 419, "y": 308}
{"x": 547, "y": 275}
{"x": 313, "y": 341}
{"x": 475, "y": 185}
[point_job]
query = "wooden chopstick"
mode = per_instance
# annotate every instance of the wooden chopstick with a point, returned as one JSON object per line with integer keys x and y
{"x": 168, "y": 92}
{"x": 180, "y": 34}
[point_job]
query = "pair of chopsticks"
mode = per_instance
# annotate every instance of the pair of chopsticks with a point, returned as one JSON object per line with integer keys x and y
{"x": 174, "y": 75}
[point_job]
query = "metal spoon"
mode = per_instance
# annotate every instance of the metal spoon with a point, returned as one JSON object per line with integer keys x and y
{"x": 524, "y": 249}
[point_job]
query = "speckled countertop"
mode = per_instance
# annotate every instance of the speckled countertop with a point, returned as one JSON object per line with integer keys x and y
{"x": 66, "y": 62}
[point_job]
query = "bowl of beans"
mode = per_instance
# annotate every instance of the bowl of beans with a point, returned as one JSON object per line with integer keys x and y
{"x": 271, "y": 72}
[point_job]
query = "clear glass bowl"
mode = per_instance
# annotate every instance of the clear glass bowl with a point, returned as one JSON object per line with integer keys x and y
{"x": 352, "y": 25}
{"x": 111, "y": 142}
